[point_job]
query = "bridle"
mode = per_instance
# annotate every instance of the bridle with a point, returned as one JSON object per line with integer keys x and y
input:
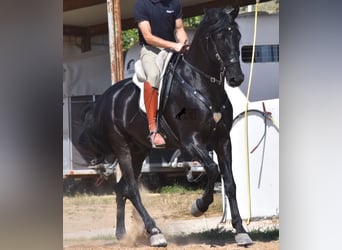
{"x": 211, "y": 78}
{"x": 223, "y": 66}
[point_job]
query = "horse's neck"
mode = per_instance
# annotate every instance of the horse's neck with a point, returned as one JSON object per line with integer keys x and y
{"x": 212, "y": 95}
{"x": 200, "y": 60}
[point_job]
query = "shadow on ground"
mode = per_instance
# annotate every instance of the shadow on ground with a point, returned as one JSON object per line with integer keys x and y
{"x": 220, "y": 238}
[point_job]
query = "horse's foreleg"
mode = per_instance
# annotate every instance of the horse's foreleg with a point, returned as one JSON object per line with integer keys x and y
{"x": 202, "y": 204}
{"x": 225, "y": 162}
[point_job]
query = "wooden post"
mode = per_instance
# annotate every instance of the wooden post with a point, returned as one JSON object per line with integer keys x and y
{"x": 115, "y": 41}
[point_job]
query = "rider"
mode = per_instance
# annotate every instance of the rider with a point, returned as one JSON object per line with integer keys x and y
{"x": 160, "y": 23}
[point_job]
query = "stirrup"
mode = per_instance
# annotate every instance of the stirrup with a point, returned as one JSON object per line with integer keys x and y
{"x": 156, "y": 140}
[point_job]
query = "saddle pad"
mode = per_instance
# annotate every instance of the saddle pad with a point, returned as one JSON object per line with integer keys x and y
{"x": 139, "y": 77}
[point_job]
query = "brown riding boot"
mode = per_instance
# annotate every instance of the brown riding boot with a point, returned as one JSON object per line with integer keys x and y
{"x": 151, "y": 103}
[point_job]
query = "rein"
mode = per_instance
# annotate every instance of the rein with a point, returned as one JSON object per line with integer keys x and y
{"x": 217, "y": 54}
{"x": 198, "y": 94}
{"x": 211, "y": 78}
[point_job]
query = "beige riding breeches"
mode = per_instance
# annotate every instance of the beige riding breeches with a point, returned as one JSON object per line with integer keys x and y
{"x": 148, "y": 55}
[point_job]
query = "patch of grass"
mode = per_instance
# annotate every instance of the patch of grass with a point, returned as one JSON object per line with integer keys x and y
{"x": 87, "y": 199}
{"x": 100, "y": 237}
{"x": 176, "y": 189}
{"x": 177, "y": 198}
{"x": 103, "y": 237}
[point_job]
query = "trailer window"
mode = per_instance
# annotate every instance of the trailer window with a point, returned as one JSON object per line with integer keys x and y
{"x": 263, "y": 53}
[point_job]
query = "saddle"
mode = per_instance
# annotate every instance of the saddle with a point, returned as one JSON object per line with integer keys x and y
{"x": 139, "y": 76}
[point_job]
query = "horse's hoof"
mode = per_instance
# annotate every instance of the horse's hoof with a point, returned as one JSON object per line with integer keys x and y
{"x": 195, "y": 211}
{"x": 243, "y": 239}
{"x": 120, "y": 234}
{"x": 158, "y": 240}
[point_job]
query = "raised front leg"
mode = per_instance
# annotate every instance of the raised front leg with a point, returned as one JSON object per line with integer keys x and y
{"x": 224, "y": 154}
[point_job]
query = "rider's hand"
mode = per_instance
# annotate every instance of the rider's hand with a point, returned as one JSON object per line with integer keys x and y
{"x": 178, "y": 47}
{"x": 181, "y": 48}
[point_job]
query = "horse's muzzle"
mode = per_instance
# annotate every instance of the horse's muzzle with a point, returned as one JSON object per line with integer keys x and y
{"x": 236, "y": 80}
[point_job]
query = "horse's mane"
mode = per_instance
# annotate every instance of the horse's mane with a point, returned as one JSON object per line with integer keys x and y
{"x": 214, "y": 20}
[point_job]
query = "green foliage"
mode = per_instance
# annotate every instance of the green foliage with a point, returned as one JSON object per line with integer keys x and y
{"x": 129, "y": 38}
{"x": 192, "y": 21}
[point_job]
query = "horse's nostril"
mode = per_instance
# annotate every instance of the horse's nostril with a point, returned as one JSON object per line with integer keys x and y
{"x": 236, "y": 81}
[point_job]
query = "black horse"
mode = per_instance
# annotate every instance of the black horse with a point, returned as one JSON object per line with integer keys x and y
{"x": 115, "y": 128}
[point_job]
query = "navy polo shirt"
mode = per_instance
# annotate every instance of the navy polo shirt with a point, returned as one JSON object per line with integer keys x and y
{"x": 161, "y": 14}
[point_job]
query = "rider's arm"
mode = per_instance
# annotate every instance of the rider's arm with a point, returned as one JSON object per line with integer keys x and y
{"x": 181, "y": 34}
{"x": 146, "y": 31}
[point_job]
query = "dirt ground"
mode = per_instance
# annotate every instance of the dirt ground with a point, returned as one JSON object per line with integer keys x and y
{"x": 273, "y": 245}
{"x": 92, "y": 227}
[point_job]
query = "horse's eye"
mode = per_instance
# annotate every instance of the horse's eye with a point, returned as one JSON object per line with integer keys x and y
{"x": 229, "y": 28}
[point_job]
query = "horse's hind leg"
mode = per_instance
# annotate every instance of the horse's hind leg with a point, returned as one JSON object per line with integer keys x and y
{"x": 127, "y": 161}
{"x": 202, "y": 204}
{"x": 120, "y": 189}
{"x": 225, "y": 162}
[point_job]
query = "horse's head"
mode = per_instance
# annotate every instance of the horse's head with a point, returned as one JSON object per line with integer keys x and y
{"x": 222, "y": 36}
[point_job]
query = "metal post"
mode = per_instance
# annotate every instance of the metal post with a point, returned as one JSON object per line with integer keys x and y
{"x": 115, "y": 42}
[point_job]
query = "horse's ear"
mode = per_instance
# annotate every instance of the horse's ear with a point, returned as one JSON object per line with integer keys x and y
{"x": 232, "y": 11}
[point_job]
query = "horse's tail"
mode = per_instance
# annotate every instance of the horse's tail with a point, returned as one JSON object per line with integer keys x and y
{"x": 86, "y": 111}
{"x": 93, "y": 138}
{"x": 90, "y": 141}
